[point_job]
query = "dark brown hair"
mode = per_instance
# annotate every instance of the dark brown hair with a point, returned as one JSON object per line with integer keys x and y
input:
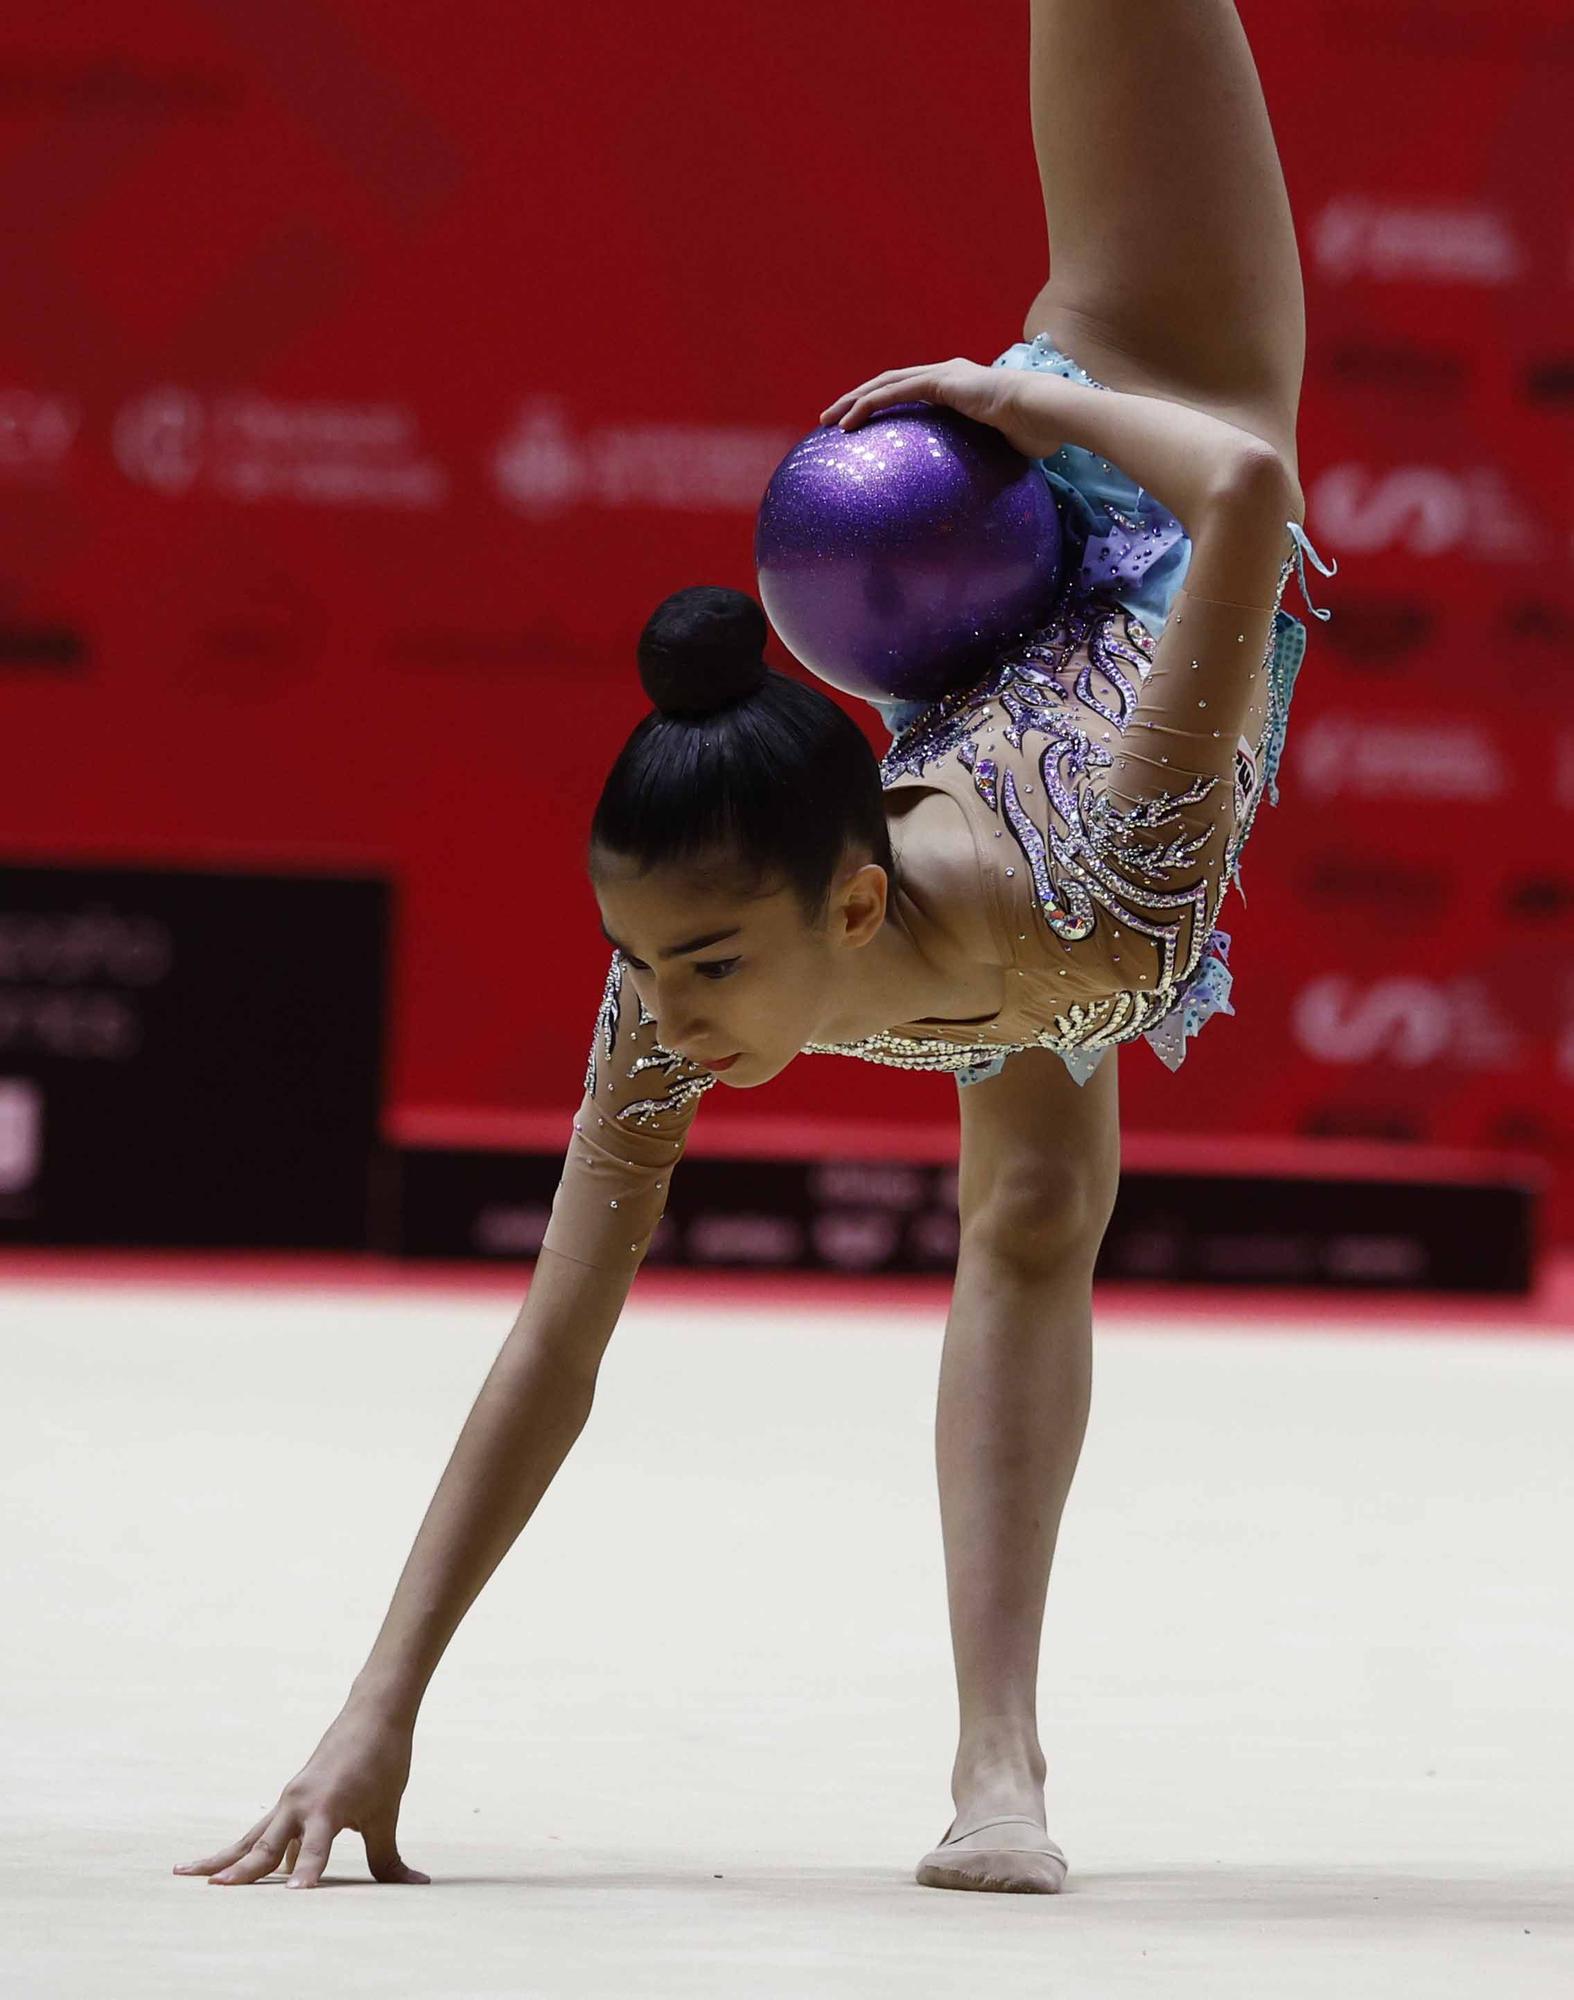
{"x": 738, "y": 763}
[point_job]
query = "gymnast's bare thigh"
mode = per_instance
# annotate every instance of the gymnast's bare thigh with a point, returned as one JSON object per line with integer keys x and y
{"x": 1042, "y": 1149}
{"x": 1174, "y": 269}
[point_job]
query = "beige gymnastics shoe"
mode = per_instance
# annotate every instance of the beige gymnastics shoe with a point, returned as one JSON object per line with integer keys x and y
{"x": 1034, "y": 1867}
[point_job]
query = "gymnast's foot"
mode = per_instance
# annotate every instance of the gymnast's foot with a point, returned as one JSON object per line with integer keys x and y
{"x": 997, "y": 1841}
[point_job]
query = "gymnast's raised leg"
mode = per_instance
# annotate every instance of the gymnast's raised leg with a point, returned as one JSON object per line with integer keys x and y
{"x": 1174, "y": 273}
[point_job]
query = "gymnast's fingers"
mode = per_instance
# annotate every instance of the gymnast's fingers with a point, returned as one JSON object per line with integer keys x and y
{"x": 890, "y": 375}
{"x": 225, "y": 1855}
{"x": 306, "y": 1872}
{"x": 266, "y": 1852}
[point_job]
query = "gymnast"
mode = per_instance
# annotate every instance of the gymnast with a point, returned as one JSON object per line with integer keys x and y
{"x": 1029, "y": 877}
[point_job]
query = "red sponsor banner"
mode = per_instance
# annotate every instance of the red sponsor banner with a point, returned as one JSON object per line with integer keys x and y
{"x": 365, "y": 384}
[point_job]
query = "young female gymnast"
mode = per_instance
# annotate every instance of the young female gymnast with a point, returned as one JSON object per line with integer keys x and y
{"x": 1030, "y": 878}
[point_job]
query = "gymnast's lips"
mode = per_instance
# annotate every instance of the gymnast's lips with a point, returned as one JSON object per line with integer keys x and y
{"x": 725, "y": 1063}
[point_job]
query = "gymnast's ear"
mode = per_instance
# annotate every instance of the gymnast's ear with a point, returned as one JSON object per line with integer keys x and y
{"x": 859, "y": 901}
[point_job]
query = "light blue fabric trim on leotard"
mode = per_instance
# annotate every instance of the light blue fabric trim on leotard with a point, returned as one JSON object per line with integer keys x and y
{"x": 1131, "y": 548}
{"x": 1131, "y": 540}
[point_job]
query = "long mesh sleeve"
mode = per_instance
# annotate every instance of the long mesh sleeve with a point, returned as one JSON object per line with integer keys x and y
{"x": 1182, "y": 778}
{"x": 629, "y": 1133}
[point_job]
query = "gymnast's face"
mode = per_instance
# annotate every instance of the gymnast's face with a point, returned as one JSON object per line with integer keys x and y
{"x": 757, "y": 980}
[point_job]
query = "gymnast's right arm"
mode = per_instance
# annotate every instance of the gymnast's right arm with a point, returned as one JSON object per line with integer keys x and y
{"x": 630, "y": 1128}
{"x": 629, "y": 1131}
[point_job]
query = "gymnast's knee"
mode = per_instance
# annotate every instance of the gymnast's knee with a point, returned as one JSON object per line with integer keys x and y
{"x": 1043, "y": 1223}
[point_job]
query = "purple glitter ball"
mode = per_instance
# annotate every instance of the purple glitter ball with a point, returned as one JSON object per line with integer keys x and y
{"x": 897, "y": 559}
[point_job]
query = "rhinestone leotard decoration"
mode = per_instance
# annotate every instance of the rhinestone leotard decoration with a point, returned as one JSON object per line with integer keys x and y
{"x": 1089, "y": 854}
{"x": 684, "y": 1085}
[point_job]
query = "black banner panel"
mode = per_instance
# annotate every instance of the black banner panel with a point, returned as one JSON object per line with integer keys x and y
{"x": 890, "y": 1217}
{"x": 189, "y": 1058}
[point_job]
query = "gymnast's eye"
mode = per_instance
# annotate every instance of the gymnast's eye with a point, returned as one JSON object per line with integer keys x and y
{"x": 713, "y": 968}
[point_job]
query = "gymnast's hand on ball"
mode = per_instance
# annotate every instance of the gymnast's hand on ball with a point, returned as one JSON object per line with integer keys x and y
{"x": 985, "y": 394}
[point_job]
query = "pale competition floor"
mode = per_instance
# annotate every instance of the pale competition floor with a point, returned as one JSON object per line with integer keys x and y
{"x": 1305, "y": 1692}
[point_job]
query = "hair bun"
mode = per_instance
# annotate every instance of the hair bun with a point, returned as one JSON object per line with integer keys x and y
{"x": 703, "y": 648}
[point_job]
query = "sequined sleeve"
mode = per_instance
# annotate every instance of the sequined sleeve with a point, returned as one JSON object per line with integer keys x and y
{"x": 1165, "y": 815}
{"x": 629, "y": 1133}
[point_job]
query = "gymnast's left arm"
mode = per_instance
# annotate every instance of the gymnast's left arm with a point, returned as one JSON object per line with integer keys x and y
{"x": 1172, "y": 774}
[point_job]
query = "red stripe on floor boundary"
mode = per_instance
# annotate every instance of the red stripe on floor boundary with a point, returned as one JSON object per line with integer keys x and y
{"x": 1549, "y": 1310}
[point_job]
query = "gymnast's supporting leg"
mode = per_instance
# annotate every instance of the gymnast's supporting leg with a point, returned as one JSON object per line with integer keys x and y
{"x": 1015, "y": 1388}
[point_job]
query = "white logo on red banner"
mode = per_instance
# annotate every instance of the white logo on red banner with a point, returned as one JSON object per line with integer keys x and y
{"x": 1430, "y": 757}
{"x": 37, "y": 431}
{"x": 1407, "y": 1020}
{"x": 249, "y": 447}
{"x": 158, "y": 440}
{"x": 1359, "y": 236}
{"x": 1426, "y": 510}
{"x": 542, "y": 467}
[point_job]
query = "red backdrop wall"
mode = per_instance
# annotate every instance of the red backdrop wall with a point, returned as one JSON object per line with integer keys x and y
{"x": 368, "y": 373}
